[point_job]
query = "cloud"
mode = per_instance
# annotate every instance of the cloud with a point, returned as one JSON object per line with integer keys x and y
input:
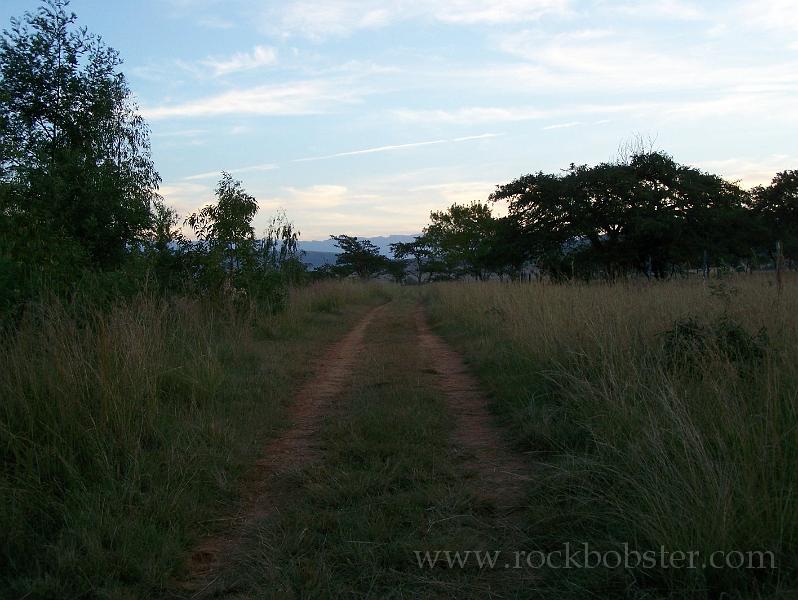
{"x": 317, "y": 19}
{"x": 482, "y": 136}
{"x": 474, "y": 114}
{"x": 563, "y": 125}
{"x": 658, "y": 9}
{"x": 764, "y": 103}
{"x": 315, "y": 196}
{"x": 186, "y": 198}
{"x": 296, "y": 98}
{"x": 217, "y": 174}
{"x": 459, "y": 192}
{"x": 750, "y": 172}
{"x": 492, "y": 12}
{"x": 773, "y": 15}
{"x": 377, "y": 206}
{"x": 241, "y": 61}
{"x": 393, "y": 148}
{"x": 372, "y": 150}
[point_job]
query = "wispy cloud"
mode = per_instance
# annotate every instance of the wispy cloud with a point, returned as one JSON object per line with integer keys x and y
{"x": 774, "y": 15}
{"x": 260, "y": 56}
{"x": 395, "y": 147}
{"x": 474, "y": 114}
{"x": 482, "y": 136}
{"x": 216, "y": 174}
{"x": 322, "y": 18}
{"x": 563, "y": 125}
{"x": 658, "y": 9}
{"x": 764, "y": 104}
{"x": 375, "y": 150}
{"x": 750, "y": 171}
{"x": 296, "y": 98}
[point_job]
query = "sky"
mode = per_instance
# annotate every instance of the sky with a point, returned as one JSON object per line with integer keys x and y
{"x": 362, "y": 116}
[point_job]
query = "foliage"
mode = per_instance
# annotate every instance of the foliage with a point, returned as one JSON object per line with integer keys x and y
{"x": 777, "y": 206}
{"x": 419, "y": 252}
{"x": 647, "y": 214}
{"x": 75, "y": 161}
{"x": 359, "y": 257}
{"x": 462, "y": 237}
{"x": 228, "y": 260}
{"x": 692, "y": 342}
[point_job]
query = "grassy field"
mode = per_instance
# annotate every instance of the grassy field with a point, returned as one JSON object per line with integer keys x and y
{"x": 663, "y": 415}
{"x": 653, "y": 416}
{"x": 123, "y": 432}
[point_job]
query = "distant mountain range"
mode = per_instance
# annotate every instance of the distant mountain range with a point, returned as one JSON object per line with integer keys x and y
{"x": 383, "y": 242}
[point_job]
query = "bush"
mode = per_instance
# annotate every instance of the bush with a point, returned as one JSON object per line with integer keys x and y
{"x": 693, "y": 341}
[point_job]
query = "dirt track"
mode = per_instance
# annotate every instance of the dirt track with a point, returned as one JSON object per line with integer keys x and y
{"x": 500, "y": 473}
{"x": 291, "y": 450}
{"x": 494, "y": 471}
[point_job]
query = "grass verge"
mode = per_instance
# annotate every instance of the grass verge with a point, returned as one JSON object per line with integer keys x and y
{"x": 666, "y": 415}
{"x": 123, "y": 432}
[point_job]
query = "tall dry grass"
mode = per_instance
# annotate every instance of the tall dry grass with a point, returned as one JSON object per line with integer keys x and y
{"x": 121, "y": 429}
{"x": 652, "y": 430}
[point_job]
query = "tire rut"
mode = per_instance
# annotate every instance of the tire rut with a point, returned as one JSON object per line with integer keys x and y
{"x": 501, "y": 474}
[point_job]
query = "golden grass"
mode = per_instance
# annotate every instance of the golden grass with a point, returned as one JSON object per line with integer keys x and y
{"x": 688, "y": 447}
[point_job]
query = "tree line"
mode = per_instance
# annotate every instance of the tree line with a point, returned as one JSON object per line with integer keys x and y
{"x": 79, "y": 202}
{"x": 80, "y": 209}
{"x": 645, "y": 215}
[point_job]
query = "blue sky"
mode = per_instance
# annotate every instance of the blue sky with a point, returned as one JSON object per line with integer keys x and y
{"x": 361, "y": 116}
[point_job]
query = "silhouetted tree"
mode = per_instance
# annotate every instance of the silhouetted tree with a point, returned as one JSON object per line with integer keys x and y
{"x": 462, "y": 237}
{"x": 419, "y": 251}
{"x": 777, "y": 207}
{"x": 225, "y": 234}
{"x": 645, "y": 214}
{"x": 75, "y": 158}
{"x": 360, "y": 257}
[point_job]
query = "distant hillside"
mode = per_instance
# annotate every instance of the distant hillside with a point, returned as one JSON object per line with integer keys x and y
{"x": 382, "y": 242}
{"x": 318, "y": 259}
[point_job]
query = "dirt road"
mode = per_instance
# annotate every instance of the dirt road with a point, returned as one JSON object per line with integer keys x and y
{"x": 391, "y": 451}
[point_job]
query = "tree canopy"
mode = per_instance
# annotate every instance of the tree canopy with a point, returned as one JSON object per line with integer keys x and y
{"x": 359, "y": 257}
{"x": 75, "y": 159}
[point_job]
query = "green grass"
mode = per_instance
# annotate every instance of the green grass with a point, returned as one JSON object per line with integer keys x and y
{"x": 389, "y": 485}
{"x": 123, "y": 432}
{"x": 688, "y": 446}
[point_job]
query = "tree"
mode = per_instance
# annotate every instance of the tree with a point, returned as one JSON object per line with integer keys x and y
{"x": 74, "y": 153}
{"x": 777, "y": 207}
{"x": 225, "y": 232}
{"x": 165, "y": 246}
{"x": 359, "y": 256}
{"x": 396, "y": 268}
{"x": 647, "y": 213}
{"x": 278, "y": 250}
{"x": 462, "y": 235}
{"x": 419, "y": 251}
